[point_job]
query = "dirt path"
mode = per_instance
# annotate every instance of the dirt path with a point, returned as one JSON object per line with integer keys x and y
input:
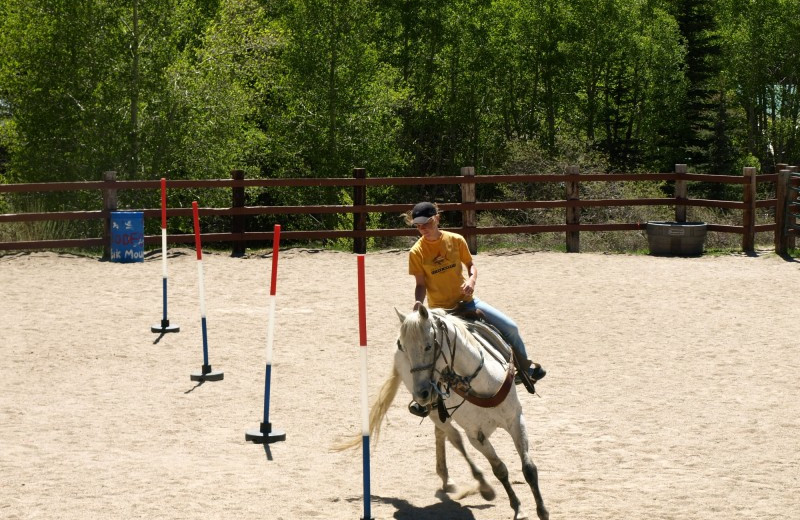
{"x": 672, "y": 389}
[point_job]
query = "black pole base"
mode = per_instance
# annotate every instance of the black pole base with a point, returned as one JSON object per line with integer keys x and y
{"x": 165, "y": 327}
{"x": 207, "y": 374}
{"x": 265, "y": 435}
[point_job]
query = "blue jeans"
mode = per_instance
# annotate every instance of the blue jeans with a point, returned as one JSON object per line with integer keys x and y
{"x": 501, "y": 322}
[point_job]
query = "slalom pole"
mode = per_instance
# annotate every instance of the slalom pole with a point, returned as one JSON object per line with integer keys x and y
{"x": 362, "y": 333}
{"x": 265, "y": 434}
{"x": 206, "y": 373}
{"x": 165, "y": 326}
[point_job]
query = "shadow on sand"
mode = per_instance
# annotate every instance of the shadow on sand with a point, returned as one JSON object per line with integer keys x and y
{"x": 447, "y": 509}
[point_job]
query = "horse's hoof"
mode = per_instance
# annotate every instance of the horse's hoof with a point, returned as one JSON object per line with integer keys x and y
{"x": 519, "y": 513}
{"x": 487, "y": 492}
{"x": 542, "y": 513}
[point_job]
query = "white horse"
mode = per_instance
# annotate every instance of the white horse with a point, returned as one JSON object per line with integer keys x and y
{"x": 444, "y": 430}
{"x": 443, "y": 365}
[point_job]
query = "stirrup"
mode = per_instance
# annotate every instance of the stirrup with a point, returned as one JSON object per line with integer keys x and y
{"x": 417, "y": 409}
{"x": 528, "y": 373}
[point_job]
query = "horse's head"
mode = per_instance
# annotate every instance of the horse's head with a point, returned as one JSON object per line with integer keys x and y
{"x": 417, "y": 342}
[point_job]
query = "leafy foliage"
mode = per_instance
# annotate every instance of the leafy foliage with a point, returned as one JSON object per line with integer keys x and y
{"x": 314, "y": 88}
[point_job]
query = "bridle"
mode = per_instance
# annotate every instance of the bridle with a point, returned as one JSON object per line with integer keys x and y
{"x": 437, "y": 353}
{"x": 450, "y": 379}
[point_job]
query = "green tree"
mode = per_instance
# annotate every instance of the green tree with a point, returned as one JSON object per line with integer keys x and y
{"x": 698, "y": 26}
{"x": 333, "y": 102}
{"x": 218, "y": 84}
{"x": 55, "y": 61}
{"x": 763, "y": 54}
{"x": 86, "y": 85}
{"x": 531, "y": 41}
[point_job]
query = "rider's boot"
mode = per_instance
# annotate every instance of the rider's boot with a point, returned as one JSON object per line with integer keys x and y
{"x": 417, "y": 409}
{"x": 534, "y": 372}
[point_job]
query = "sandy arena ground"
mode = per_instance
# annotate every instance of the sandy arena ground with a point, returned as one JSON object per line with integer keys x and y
{"x": 672, "y": 390}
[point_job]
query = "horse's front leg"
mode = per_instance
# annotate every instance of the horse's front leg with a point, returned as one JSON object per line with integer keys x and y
{"x": 441, "y": 461}
{"x": 482, "y": 444}
{"x": 519, "y": 434}
{"x": 453, "y": 435}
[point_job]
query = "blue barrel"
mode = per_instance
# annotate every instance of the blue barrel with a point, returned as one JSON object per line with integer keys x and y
{"x": 127, "y": 236}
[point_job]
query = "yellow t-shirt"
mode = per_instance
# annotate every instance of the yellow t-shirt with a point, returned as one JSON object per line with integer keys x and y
{"x": 441, "y": 263}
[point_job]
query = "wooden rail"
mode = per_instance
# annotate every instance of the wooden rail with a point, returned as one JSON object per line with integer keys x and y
{"x": 469, "y": 206}
{"x": 787, "y": 208}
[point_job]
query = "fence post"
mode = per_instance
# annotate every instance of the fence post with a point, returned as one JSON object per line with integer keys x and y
{"x": 749, "y": 213}
{"x": 681, "y": 193}
{"x": 573, "y": 212}
{"x": 109, "y": 205}
{"x": 791, "y": 238}
{"x": 469, "y": 220}
{"x": 782, "y": 209}
{"x": 238, "y": 222}
{"x": 359, "y": 216}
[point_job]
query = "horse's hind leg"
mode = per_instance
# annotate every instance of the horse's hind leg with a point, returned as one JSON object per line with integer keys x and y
{"x": 482, "y": 444}
{"x": 520, "y": 436}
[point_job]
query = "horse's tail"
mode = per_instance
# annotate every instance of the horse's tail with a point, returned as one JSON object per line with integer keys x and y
{"x": 377, "y": 412}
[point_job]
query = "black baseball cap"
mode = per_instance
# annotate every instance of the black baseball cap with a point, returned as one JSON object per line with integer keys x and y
{"x": 422, "y": 213}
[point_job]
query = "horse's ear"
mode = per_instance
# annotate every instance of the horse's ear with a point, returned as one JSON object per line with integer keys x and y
{"x": 423, "y": 312}
{"x": 400, "y": 315}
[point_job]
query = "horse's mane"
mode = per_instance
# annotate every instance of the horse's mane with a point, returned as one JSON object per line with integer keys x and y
{"x": 459, "y": 324}
{"x": 466, "y": 330}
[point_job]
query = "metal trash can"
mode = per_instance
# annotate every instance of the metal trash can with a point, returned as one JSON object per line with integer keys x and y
{"x": 127, "y": 236}
{"x": 676, "y": 238}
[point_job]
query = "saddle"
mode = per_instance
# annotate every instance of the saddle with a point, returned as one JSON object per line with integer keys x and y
{"x": 493, "y": 341}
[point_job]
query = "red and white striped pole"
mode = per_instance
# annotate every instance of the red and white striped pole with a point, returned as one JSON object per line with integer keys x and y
{"x": 206, "y": 373}
{"x": 362, "y": 335}
{"x": 265, "y": 434}
{"x": 165, "y": 326}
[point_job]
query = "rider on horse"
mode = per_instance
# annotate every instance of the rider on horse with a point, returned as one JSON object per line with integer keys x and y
{"x": 435, "y": 261}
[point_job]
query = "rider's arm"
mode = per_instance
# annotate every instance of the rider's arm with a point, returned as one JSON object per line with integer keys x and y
{"x": 468, "y": 287}
{"x": 419, "y": 290}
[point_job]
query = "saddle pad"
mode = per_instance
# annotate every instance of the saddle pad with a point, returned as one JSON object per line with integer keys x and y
{"x": 490, "y": 338}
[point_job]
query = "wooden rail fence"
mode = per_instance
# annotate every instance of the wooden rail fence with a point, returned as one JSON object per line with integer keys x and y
{"x": 469, "y": 206}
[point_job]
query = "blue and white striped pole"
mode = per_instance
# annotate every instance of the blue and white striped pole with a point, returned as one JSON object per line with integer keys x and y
{"x": 362, "y": 328}
{"x": 265, "y": 434}
{"x": 206, "y": 373}
{"x": 165, "y": 326}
